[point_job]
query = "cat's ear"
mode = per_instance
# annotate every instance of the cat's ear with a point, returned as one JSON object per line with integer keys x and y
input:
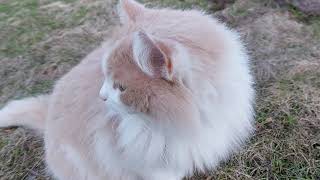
{"x": 129, "y": 10}
{"x": 150, "y": 58}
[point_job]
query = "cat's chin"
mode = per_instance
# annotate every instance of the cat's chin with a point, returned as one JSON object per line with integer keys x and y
{"x": 116, "y": 107}
{"x": 121, "y": 110}
{"x": 125, "y": 114}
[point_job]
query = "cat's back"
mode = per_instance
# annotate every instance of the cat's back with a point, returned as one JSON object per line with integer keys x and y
{"x": 75, "y": 98}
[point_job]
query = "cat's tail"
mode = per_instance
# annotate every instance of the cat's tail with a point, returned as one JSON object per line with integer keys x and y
{"x": 30, "y": 112}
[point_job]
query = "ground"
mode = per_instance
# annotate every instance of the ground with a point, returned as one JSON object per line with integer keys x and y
{"x": 42, "y": 39}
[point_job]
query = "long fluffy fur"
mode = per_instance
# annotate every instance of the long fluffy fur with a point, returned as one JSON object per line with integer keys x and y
{"x": 29, "y": 112}
{"x": 85, "y": 138}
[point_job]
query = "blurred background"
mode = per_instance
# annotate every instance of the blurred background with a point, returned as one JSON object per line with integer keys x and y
{"x": 42, "y": 39}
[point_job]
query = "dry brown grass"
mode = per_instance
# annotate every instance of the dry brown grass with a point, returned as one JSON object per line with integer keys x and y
{"x": 285, "y": 50}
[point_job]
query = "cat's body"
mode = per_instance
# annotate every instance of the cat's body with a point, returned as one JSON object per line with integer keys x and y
{"x": 180, "y": 99}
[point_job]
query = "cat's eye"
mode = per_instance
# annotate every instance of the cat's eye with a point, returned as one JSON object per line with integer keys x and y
{"x": 122, "y": 88}
{"x": 119, "y": 86}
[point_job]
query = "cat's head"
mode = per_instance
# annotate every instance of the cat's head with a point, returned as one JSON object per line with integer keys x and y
{"x": 146, "y": 73}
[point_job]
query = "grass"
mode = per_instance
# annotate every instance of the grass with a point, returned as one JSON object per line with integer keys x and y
{"x": 315, "y": 24}
{"x": 21, "y": 151}
{"x": 40, "y": 87}
{"x": 312, "y": 20}
{"x": 287, "y": 142}
{"x": 238, "y": 11}
{"x": 283, "y": 143}
{"x": 3, "y": 143}
{"x": 78, "y": 16}
{"x": 184, "y": 4}
{"x": 24, "y": 24}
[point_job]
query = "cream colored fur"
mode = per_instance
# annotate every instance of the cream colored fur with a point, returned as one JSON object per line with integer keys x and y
{"x": 92, "y": 138}
{"x": 29, "y": 112}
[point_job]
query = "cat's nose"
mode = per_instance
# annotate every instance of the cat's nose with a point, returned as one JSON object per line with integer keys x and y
{"x": 104, "y": 98}
{"x": 103, "y": 95}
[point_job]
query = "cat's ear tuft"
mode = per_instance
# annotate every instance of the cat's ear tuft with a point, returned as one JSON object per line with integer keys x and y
{"x": 129, "y": 10}
{"x": 150, "y": 58}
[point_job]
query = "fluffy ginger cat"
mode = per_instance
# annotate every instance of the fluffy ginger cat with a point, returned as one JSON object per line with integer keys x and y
{"x": 173, "y": 95}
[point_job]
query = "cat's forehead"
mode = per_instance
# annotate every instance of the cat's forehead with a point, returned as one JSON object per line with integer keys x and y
{"x": 120, "y": 64}
{"x": 121, "y": 55}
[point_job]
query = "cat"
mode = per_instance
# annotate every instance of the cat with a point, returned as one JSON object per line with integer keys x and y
{"x": 170, "y": 93}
